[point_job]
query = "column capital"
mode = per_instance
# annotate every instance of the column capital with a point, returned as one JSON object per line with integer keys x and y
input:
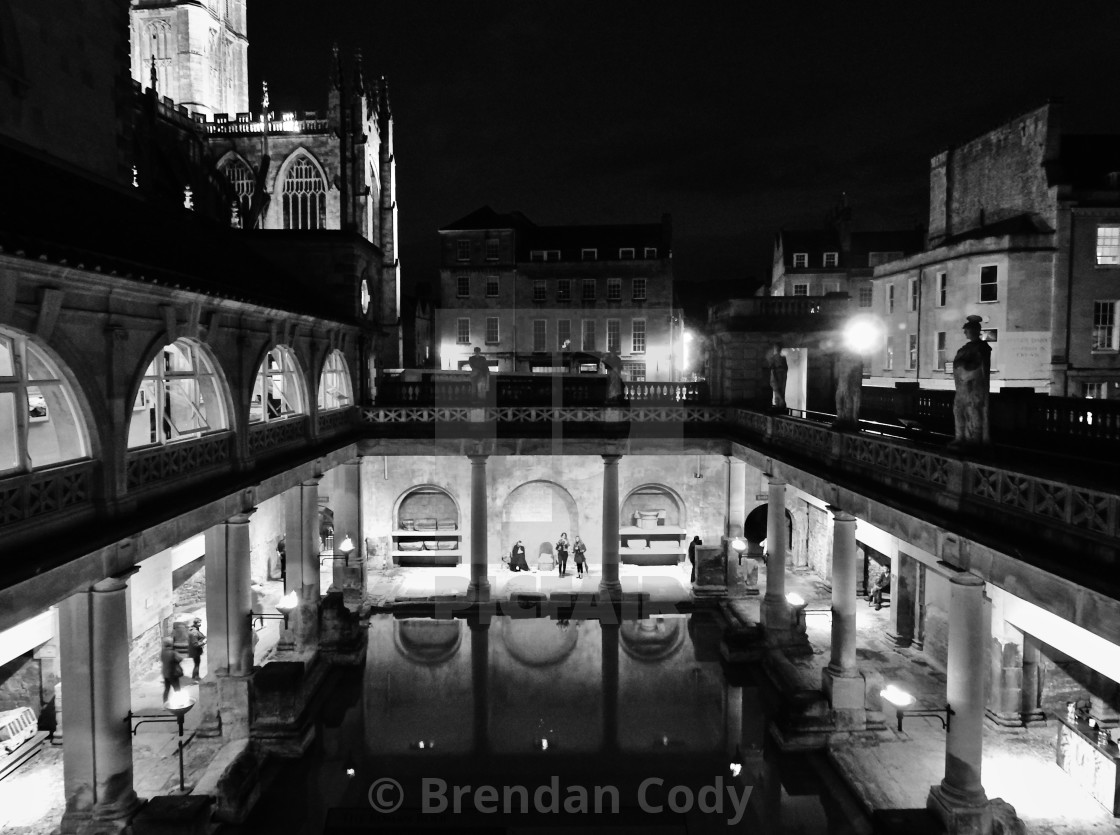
{"x": 117, "y": 582}
{"x": 241, "y": 517}
{"x": 611, "y": 459}
{"x": 313, "y": 481}
{"x": 775, "y": 481}
{"x": 839, "y": 514}
{"x": 478, "y": 458}
{"x": 965, "y": 578}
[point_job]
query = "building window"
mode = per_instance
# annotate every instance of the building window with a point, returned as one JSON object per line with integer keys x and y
{"x": 462, "y": 331}
{"x": 243, "y": 183}
{"x": 635, "y": 371}
{"x": 888, "y": 359}
{"x": 989, "y": 292}
{"x": 800, "y": 260}
{"x": 491, "y": 330}
{"x": 865, "y": 297}
{"x": 614, "y": 335}
{"x": 537, "y": 255}
{"x": 278, "y": 388}
{"x": 1104, "y": 325}
{"x": 1108, "y": 246}
{"x": 639, "y": 342}
{"x": 800, "y": 289}
{"x": 614, "y": 289}
{"x": 552, "y": 255}
{"x": 1094, "y": 391}
{"x": 588, "y": 290}
{"x": 462, "y": 285}
{"x": 540, "y": 334}
{"x": 639, "y": 290}
{"x": 335, "y": 391}
{"x": 939, "y": 346}
{"x": 648, "y": 252}
{"x": 564, "y": 334}
{"x": 588, "y": 343}
{"x": 564, "y": 290}
{"x": 462, "y": 250}
{"x": 890, "y": 298}
{"x": 540, "y": 291}
{"x": 179, "y": 397}
{"x": 831, "y": 259}
{"x": 305, "y": 196}
{"x": 942, "y": 289}
{"x": 589, "y": 255}
{"x": 492, "y": 249}
{"x": 911, "y": 351}
{"x": 491, "y": 286}
{"x": 626, "y": 253}
{"x": 913, "y": 288}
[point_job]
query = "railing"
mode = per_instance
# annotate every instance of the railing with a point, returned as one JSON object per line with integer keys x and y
{"x": 152, "y": 465}
{"x": 327, "y": 423}
{"x": 274, "y": 126}
{"x": 267, "y": 437}
{"x": 778, "y": 306}
{"x": 535, "y": 390}
{"x": 45, "y": 492}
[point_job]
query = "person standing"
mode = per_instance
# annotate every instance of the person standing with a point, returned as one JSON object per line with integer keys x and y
{"x": 696, "y": 540}
{"x": 562, "y": 553}
{"x": 480, "y": 374}
{"x": 580, "y": 551}
{"x": 972, "y": 371}
{"x": 882, "y": 584}
{"x": 779, "y": 370}
{"x": 171, "y": 667}
{"x": 517, "y": 558}
{"x": 195, "y": 642}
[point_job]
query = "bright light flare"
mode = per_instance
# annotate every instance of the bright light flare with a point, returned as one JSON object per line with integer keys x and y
{"x": 896, "y": 696}
{"x": 863, "y": 334}
{"x": 288, "y": 602}
{"x": 795, "y": 599}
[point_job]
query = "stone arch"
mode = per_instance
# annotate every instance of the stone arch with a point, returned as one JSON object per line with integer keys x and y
{"x": 242, "y": 186}
{"x": 336, "y": 383}
{"x": 427, "y": 641}
{"x": 291, "y": 368}
{"x": 754, "y": 530}
{"x": 539, "y": 642}
{"x": 139, "y": 390}
{"x": 302, "y": 205}
{"x": 530, "y": 513}
{"x": 655, "y": 496}
{"x": 405, "y": 509}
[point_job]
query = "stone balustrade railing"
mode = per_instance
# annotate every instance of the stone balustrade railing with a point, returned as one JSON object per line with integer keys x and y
{"x": 157, "y": 465}
{"x": 54, "y": 490}
{"x": 541, "y": 390}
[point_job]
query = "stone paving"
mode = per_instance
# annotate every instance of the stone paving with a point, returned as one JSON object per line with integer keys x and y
{"x": 888, "y": 770}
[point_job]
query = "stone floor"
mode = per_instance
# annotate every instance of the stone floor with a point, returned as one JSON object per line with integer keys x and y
{"x": 888, "y": 770}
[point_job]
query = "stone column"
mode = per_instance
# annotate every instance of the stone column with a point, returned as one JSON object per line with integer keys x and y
{"x": 849, "y": 380}
{"x": 775, "y": 609}
{"x": 224, "y": 693}
{"x": 842, "y": 681}
{"x": 736, "y": 496}
{"x": 610, "y": 634}
{"x": 904, "y": 581}
{"x": 301, "y": 521}
{"x": 480, "y": 684}
{"x": 479, "y": 588}
{"x": 959, "y": 801}
{"x": 610, "y": 586}
{"x": 97, "y": 752}
{"x": 347, "y": 504}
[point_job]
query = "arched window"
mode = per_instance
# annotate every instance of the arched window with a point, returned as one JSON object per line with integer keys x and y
{"x": 180, "y": 397}
{"x": 335, "y": 391}
{"x": 241, "y": 178}
{"x": 39, "y": 420}
{"x": 305, "y": 196}
{"x": 278, "y": 388}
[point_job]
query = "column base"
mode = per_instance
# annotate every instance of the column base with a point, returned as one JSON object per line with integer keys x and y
{"x": 478, "y": 591}
{"x": 900, "y": 641}
{"x": 960, "y": 815}
{"x": 847, "y": 697}
{"x": 225, "y": 706}
{"x": 610, "y": 590}
{"x": 1013, "y": 718}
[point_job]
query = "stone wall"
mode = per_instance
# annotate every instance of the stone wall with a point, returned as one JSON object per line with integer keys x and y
{"x": 19, "y": 684}
{"x": 190, "y": 594}
{"x": 143, "y": 654}
{"x": 818, "y": 542}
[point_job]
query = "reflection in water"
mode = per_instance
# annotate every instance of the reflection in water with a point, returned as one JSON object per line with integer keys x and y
{"x": 549, "y": 720}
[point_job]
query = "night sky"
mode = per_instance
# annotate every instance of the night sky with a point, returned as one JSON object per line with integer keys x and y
{"x": 739, "y": 118}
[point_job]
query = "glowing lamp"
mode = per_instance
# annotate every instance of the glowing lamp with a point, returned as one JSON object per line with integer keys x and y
{"x": 286, "y": 604}
{"x": 902, "y": 701}
{"x": 863, "y": 334}
{"x": 795, "y": 599}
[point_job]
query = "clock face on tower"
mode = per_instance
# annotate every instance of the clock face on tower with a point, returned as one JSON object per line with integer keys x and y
{"x": 365, "y": 296}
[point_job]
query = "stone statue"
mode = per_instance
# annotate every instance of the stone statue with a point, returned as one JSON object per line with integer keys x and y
{"x": 849, "y": 389}
{"x": 613, "y": 364}
{"x": 972, "y": 370}
{"x": 480, "y": 374}
{"x": 779, "y": 370}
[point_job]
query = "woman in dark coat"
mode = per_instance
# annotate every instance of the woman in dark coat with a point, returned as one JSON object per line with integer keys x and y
{"x": 171, "y": 664}
{"x": 517, "y": 558}
{"x": 579, "y": 549}
{"x": 562, "y": 554}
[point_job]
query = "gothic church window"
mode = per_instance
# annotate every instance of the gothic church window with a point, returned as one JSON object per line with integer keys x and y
{"x": 278, "y": 390}
{"x": 241, "y": 178}
{"x": 305, "y": 196}
{"x": 335, "y": 391}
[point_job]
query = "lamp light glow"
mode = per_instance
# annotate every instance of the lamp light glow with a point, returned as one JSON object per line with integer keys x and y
{"x": 863, "y": 334}
{"x": 795, "y": 599}
{"x": 738, "y": 544}
{"x": 896, "y": 696}
{"x": 288, "y": 602}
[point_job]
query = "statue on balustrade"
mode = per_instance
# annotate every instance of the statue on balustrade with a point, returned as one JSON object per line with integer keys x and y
{"x": 613, "y": 364}
{"x": 972, "y": 370}
{"x": 779, "y": 370}
{"x": 849, "y": 388}
{"x": 480, "y": 374}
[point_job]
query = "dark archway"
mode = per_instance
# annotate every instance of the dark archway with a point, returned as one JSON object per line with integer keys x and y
{"x": 755, "y": 528}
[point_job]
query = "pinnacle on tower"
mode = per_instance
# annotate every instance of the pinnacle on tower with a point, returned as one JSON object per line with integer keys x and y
{"x": 383, "y": 99}
{"x": 336, "y": 68}
{"x": 359, "y": 78}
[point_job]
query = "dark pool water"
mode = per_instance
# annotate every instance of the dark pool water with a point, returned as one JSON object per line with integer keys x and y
{"x": 534, "y": 724}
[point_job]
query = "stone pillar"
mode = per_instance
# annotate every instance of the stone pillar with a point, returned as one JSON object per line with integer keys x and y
{"x": 224, "y": 693}
{"x": 904, "y": 579}
{"x": 775, "y": 609}
{"x": 97, "y": 748}
{"x": 736, "y": 496}
{"x": 480, "y": 684}
{"x": 347, "y": 504}
{"x": 479, "y": 588}
{"x": 842, "y": 681}
{"x": 610, "y": 633}
{"x": 959, "y": 801}
{"x": 301, "y": 521}
{"x": 610, "y": 586}
{"x": 920, "y": 607}
{"x": 849, "y": 380}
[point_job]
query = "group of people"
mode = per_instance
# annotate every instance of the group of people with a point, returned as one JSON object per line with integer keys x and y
{"x": 577, "y": 549}
{"x": 171, "y": 661}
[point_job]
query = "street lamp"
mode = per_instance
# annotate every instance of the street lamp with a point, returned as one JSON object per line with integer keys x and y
{"x": 738, "y": 545}
{"x": 284, "y": 607}
{"x": 178, "y": 703}
{"x": 902, "y": 701}
{"x": 863, "y": 334}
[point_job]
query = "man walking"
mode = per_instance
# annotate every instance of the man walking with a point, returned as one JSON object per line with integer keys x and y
{"x": 195, "y": 642}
